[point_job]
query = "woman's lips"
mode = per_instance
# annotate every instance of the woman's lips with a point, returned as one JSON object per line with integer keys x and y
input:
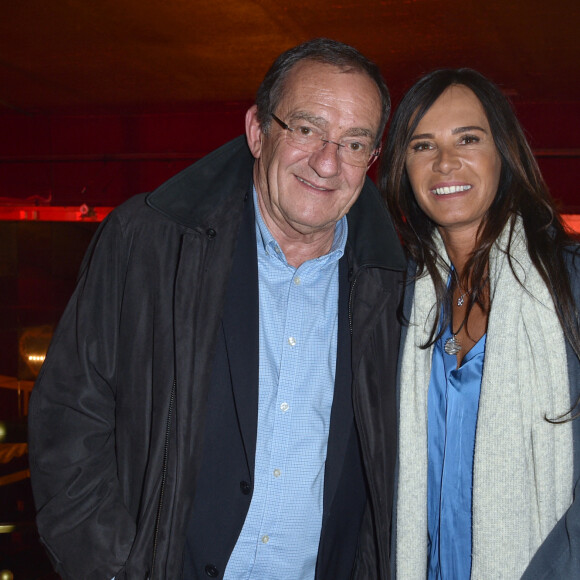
{"x": 446, "y": 190}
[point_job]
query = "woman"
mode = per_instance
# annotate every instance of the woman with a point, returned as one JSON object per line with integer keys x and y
{"x": 489, "y": 453}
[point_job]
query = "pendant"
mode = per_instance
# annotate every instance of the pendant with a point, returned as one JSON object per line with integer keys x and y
{"x": 452, "y": 346}
{"x": 461, "y": 299}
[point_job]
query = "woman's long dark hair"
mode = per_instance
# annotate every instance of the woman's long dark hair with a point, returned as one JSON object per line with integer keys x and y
{"x": 521, "y": 191}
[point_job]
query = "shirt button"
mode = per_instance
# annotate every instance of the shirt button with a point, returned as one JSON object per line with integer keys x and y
{"x": 297, "y": 280}
{"x": 277, "y": 473}
{"x": 211, "y": 571}
{"x": 265, "y": 539}
{"x": 292, "y": 341}
{"x": 284, "y": 407}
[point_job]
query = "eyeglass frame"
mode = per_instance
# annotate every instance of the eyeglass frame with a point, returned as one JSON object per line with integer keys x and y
{"x": 372, "y": 157}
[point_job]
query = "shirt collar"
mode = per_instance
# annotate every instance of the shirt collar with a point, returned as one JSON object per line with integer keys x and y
{"x": 271, "y": 246}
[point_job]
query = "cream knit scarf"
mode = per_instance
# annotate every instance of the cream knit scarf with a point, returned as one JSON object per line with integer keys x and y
{"x": 523, "y": 467}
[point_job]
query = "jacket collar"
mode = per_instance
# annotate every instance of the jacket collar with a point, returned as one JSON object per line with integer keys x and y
{"x": 371, "y": 233}
{"x": 194, "y": 196}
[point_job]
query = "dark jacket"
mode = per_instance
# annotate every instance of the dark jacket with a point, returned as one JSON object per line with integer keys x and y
{"x": 117, "y": 417}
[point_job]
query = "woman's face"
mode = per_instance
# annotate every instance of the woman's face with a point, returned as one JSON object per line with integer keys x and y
{"x": 452, "y": 162}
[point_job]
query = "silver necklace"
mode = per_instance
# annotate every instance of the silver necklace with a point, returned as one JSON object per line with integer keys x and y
{"x": 452, "y": 345}
{"x": 461, "y": 299}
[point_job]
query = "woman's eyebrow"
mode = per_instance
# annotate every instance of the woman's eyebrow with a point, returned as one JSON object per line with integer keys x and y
{"x": 454, "y": 132}
{"x": 468, "y": 128}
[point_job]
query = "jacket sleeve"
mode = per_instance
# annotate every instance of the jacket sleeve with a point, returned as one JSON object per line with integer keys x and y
{"x": 82, "y": 519}
{"x": 559, "y": 555}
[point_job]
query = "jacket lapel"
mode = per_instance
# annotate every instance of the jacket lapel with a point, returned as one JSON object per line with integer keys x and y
{"x": 240, "y": 323}
{"x": 341, "y": 417}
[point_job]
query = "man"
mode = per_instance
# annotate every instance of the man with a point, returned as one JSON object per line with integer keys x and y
{"x": 218, "y": 400}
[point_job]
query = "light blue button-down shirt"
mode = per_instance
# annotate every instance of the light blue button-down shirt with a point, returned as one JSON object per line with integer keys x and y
{"x": 453, "y": 402}
{"x": 297, "y": 363}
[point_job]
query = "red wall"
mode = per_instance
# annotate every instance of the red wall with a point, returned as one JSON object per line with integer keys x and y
{"x": 102, "y": 159}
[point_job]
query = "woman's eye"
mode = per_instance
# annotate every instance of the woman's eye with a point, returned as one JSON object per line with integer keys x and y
{"x": 469, "y": 139}
{"x": 421, "y": 146}
{"x": 305, "y": 131}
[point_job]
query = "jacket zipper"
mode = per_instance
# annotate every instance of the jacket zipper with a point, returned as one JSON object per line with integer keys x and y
{"x": 163, "y": 476}
{"x": 351, "y": 298}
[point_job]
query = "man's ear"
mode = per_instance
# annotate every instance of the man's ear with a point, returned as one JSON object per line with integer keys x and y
{"x": 254, "y": 131}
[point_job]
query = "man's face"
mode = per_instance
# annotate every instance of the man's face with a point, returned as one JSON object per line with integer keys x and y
{"x": 302, "y": 194}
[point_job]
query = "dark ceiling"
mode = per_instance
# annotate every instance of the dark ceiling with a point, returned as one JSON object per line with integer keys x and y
{"x": 83, "y": 54}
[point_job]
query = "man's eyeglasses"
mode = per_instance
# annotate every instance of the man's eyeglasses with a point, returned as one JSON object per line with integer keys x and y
{"x": 309, "y": 138}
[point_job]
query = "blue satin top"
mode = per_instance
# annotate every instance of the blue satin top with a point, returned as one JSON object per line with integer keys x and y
{"x": 453, "y": 401}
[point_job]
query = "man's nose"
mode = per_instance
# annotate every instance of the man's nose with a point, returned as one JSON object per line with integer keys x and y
{"x": 326, "y": 161}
